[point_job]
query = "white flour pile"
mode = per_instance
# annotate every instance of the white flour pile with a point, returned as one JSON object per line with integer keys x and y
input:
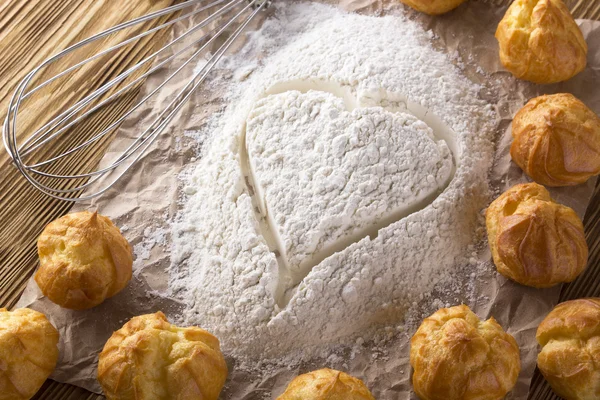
{"x": 355, "y": 208}
{"x": 326, "y": 177}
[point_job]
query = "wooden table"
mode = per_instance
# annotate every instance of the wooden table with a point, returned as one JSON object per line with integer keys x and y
{"x": 31, "y": 31}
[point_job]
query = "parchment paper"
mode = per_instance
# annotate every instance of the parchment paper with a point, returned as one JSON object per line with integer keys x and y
{"x": 148, "y": 197}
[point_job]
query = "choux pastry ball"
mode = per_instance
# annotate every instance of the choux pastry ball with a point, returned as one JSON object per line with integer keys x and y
{"x": 535, "y": 241}
{"x": 433, "y": 7}
{"x": 570, "y": 355}
{"x": 556, "y": 140}
{"x": 84, "y": 259}
{"x": 151, "y": 359}
{"x": 456, "y": 356}
{"x": 326, "y": 384}
{"x": 28, "y": 352}
{"x": 540, "y": 41}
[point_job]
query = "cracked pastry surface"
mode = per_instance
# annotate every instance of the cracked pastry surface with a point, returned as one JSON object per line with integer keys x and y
{"x": 455, "y": 355}
{"x": 433, "y": 7}
{"x": 540, "y": 41}
{"x": 570, "y": 355}
{"x": 326, "y": 384}
{"x": 28, "y": 352}
{"x": 556, "y": 140}
{"x": 84, "y": 259}
{"x": 151, "y": 359}
{"x": 535, "y": 241}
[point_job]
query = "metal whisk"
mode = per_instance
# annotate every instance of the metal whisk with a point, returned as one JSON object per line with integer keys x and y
{"x": 226, "y": 21}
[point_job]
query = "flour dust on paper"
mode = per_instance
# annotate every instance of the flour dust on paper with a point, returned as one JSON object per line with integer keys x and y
{"x": 343, "y": 184}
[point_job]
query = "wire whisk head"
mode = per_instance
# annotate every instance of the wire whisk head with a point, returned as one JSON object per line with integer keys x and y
{"x": 87, "y": 119}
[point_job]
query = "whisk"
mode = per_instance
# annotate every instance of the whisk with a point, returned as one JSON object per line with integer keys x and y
{"x": 226, "y": 21}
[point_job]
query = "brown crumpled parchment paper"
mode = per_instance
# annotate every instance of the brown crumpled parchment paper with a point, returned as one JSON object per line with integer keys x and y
{"x": 145, "y": 200}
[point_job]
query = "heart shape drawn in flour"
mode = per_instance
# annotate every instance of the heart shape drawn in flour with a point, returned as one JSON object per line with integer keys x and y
{"x": 326, "y": 176}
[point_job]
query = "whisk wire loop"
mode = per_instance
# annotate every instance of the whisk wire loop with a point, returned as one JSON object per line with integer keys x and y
{"x": 56, "y": 184}
{"x": 104, "y": 88}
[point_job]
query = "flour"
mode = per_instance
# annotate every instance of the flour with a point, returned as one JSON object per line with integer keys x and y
{"x": 325, "y": 176}
{"x": 393, "y": 148}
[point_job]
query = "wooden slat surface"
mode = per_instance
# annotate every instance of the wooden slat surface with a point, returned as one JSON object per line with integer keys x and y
{"x": 32, "y": 30}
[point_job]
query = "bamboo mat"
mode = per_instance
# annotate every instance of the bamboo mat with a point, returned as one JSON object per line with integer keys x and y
{"x": 31, "y": 31}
